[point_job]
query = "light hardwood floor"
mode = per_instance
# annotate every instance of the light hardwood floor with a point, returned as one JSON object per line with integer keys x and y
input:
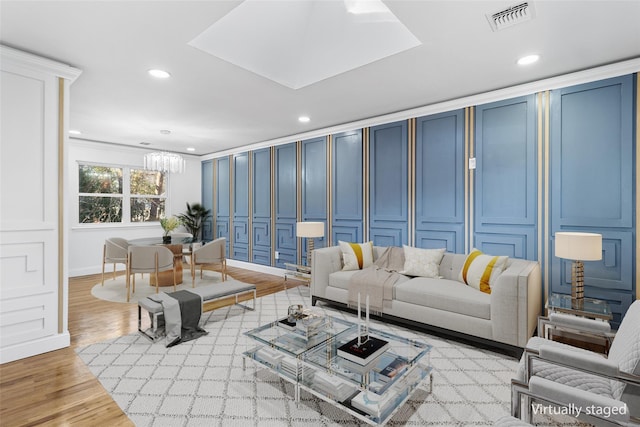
{"x": 57, "y": 388}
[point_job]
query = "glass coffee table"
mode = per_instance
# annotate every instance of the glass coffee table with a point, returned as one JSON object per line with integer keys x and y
{"x": 308, "y": 358}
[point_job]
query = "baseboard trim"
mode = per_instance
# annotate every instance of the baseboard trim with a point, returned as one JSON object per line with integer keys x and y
{"x": 35, "y": 347}
{"x": 256, "y": 267}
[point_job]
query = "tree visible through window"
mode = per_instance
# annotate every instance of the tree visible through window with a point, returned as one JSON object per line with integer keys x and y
{"x": 115, "y": 194}
{"x": 147, "y": 195}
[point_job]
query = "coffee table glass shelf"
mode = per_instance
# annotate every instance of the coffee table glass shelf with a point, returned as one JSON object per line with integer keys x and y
{"x": 371, "y": 393}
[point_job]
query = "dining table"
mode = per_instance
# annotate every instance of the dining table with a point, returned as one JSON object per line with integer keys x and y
{"x": 177, "y": 246}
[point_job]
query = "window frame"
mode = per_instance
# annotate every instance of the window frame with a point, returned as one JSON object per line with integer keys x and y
{"x": 126, "y": 197}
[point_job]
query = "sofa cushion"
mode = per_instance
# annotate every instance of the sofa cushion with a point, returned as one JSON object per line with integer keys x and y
{"x": 422, "y": 262}
{"x": 481, "y": 271}
{"x": 356, "y": 256}
{"x": 340, "y": 279}
{"x": 443, "y": 294}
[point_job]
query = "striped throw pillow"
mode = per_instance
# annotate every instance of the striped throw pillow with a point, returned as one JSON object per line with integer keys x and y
{"x": 480, "y": 271}
{"x": 356, "y": 256}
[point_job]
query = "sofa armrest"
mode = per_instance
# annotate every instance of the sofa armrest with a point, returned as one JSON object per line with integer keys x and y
{"x": 324, "y": 262}
{"x": 516, "y": 302}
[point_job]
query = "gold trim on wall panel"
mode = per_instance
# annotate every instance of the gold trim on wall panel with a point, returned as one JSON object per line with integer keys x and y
{"x": 539, "y": 143}
{"x": 250, "y": 216}
{"x": 328, "y": 239}
{"x": 61, "y": 228}
{"x": 231, "y": 206}
{"x": 272, "y": 198}
{"x": 472, "y": 173}
{"x": 412, "y": 183}
{"x": 637, "y": 184}
{"x": 214, "y": 207}
{"x": 299, "y": 197}
{"x": 365, "y": 184}
{"x": 547, "y": 253}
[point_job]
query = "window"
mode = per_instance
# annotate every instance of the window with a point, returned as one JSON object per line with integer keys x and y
{"x": 110, "y": 194}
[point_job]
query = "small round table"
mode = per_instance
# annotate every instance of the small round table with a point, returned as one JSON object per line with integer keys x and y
{"x": 165, "y": 278}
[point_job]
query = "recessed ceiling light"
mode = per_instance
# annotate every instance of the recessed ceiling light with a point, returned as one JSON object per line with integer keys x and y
{"x": 75, "y": 132}
{"x": 191, "y": 149}
{"x": 165, "y": 131}
{"x": 159, "y": 74}
{"x": 529, "y": 59}
{"x": 304, "y": 119}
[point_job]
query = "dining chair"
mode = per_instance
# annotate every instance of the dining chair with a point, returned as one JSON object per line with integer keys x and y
{"x": 114, "y": 252}
{"x": 149, "y": 259}
{"x": 207, "y": 256}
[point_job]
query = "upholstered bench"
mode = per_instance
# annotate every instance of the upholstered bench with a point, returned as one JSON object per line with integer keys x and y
{"x": 208, "y": 293}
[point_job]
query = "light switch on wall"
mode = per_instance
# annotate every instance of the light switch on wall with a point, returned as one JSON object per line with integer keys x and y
{"x": 472, "y": 163}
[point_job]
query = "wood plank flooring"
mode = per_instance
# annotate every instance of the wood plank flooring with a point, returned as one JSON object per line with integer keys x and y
{"x": 57, "y": 388}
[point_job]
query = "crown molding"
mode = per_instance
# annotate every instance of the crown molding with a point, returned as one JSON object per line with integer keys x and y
{"x": 36, "y": 62}
{"x": 579, "y": 77}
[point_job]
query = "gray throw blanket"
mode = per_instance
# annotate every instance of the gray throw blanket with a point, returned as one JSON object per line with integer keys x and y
{"x": 182, "y": 312}
{"x": 378, "y": 280}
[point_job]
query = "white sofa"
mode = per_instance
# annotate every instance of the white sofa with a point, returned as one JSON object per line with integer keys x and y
{"x": 505, "y": 318}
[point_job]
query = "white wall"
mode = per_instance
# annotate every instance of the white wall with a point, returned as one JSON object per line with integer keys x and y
{"x": 86, "y": 240}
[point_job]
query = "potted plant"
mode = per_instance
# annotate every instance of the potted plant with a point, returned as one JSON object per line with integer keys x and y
{"x": 193, "y": 218}
{"x": 168, "y": 225}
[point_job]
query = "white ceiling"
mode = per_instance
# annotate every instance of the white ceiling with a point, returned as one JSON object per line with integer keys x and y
{"x": 212, "y": 105}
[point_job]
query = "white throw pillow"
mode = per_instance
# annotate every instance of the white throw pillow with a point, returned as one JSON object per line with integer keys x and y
{"x": 480, "y": 271}
{"x": 356, "y": 256}
{"x": 422, "y": 262}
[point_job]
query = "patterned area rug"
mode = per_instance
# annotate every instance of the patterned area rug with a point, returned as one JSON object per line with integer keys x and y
{"x": 115, "y": 290}
{"x": 202, "y": 383}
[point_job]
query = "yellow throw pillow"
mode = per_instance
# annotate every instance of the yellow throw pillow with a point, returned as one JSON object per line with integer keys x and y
{"x": 356, "y": 256}
{"x": 480, "y": 271}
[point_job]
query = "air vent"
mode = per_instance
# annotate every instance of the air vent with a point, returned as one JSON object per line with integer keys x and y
{"x": 511, "y": 16}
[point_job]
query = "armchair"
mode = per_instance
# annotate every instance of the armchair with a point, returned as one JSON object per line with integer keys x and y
{"x": 598, "y": 389}
{"x": 207, "y": 256}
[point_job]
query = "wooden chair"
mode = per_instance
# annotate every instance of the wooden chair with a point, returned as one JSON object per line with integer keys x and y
{"x": 149, "y": 259}
{"x": 114, "y": 252}
{"x": 207, "y": 256}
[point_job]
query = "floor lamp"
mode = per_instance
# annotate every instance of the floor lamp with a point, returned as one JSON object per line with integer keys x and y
{"x": 310, "y": 230}
{"x": 578, "y": 247}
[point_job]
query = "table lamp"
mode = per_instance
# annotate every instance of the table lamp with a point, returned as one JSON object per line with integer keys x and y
{"x": 310, "y": 230}
{"x": 578, "y": 247}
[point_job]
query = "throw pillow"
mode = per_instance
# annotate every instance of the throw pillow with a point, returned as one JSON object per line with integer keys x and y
{"x": 480, "y": 271}
{"x": 422, "y": 262}
{"x": 356, "y": 256}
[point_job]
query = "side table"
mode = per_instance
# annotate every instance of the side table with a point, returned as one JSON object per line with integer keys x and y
{"x": 589, "y": 318}
{"x": 297, "y": 272}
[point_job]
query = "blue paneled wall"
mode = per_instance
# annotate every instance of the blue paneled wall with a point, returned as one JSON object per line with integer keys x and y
{"x": 551, "y": 161}
{"x": 261, "y": 207}
{"x": 223, "y": 206}
{"x": 240, "y": 193}
{"x": 388, "y": 178}
{"x": 285, "y": 198}
{"x": 314, "y": 187}
{"x": 440, "y": 164}
{"x": 506, "y": 178}
{"x": 592, "y": 177}
{"x": 347, "y": 185}
{"x": 207, "y": 199}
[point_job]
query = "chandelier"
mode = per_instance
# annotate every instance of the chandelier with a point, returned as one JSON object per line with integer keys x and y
{"x": 164, "y": 162}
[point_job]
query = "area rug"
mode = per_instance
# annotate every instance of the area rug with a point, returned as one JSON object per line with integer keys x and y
{"x": 115, "y": 290}
{"x": 202, "y": 382}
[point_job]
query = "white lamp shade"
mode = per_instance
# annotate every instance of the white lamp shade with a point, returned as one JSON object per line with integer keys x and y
{"x": 578, "y": 246}
{"x": 310, "y": 229}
